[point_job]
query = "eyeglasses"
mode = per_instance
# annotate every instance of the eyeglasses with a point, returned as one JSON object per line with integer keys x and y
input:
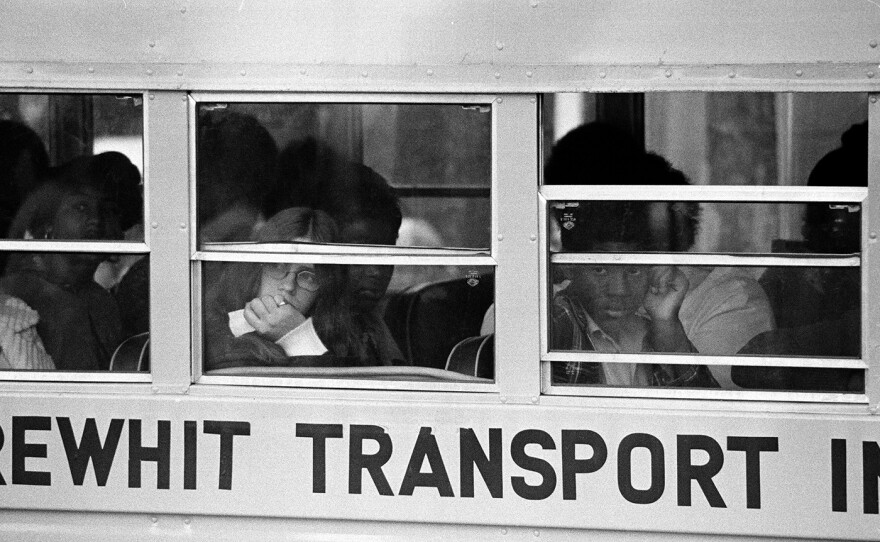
{"x": 305, "y": 278}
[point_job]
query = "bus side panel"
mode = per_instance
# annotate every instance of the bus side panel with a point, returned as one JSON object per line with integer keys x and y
{"x": 548, "y": 467}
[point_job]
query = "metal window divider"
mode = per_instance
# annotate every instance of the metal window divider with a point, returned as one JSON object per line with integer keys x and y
{"x": 168, "y": 223}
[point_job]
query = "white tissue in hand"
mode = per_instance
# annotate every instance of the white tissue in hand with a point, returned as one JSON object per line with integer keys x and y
{"x": 238, "y": 325}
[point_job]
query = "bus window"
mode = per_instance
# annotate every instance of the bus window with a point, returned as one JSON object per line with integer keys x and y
{"x": 74, "y": 280}
{"x": 340, "y": 235}
{"x": 741, "y": 241}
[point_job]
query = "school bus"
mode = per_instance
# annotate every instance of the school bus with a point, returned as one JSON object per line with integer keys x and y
{"x": 458, "y": 107}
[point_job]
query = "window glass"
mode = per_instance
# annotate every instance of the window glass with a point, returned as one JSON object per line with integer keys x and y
{"x": 363, "y": 182}
{"x": 722, "y": 311}
{"x": 802, "y": 300}
{"x": 70, "y": 168}
{"x": 826, "y": 227}
{"x": 331, "y": 315}
{"x": 427, "y": 167}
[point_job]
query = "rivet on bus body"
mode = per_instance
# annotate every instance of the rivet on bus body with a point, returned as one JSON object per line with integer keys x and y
{"x": 799, "y": 73}
{"x": 149, "y": 72}
{"x": 534, "y": 3}
{"x": 537, "y": 533}
{"x": 182, "y": 226}
{"x": 152, "y": 97}
{"x": 187, "y": 521}
{"x": 430, "y": 72}
{"x": 91, "y": 69}
{"x": 155, "y": 225}
{"x": 183, "y": 9}
{"x": 533, "y": 100}
{"x": 499, "y": 45}
{"x": 731, "y": 75}
{"x": 179, "y": 73}
{"x": 302, "y": 71}
{"x": 533, "y": 238}
{"x": 873, "y": 99}
{"x": 504, "y": 399}
{"x": 29, "y": 70}
{"x": 363, "y": 74}
{"x": 873, "y": 236}
{"x": 534, "y": 399}
{"x": 529, "y": 74}
{"x": 873, "y": 44}
{"x": 602, "y": 75}
{"x": 497, "y": 75}
{"x": 243, "y": 73}
{"x": 154, "y": 519}
{"x": 152, "y": 44}
{"x": 155, "y": 389}
{"x": 668, "y": 73}
{"x": 499, "y": 100}
{"x": 504, "y": 531}
{"x": 500, "y": 237}
{"x": 870, "y": 75}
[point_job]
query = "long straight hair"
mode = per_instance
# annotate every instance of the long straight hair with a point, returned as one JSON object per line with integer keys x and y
{"x": 239, "y": 283}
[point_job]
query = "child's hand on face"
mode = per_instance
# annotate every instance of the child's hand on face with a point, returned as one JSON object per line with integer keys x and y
{"x": 272, "y": 317}
{"x": 666, "y": 292}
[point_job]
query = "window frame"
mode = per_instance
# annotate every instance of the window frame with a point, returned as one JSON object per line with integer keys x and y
{"x": 868, "y": 262}
{"x": 94, "y": 246}
{"x": 339, "y": 254}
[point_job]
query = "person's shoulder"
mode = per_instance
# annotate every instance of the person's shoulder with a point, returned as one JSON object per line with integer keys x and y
{"x": 16, "y": 314}
{"x": 729, "y": 280}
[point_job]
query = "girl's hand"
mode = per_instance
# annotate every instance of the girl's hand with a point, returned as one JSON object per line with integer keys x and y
{"x": 666, "y": 292}
{"x": 272, "y": 317}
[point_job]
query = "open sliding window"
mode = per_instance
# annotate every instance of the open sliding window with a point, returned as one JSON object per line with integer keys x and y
{"x": 706, "y": 245}
{"x": 343, "y": 240}
{"x": 75, "y": 275}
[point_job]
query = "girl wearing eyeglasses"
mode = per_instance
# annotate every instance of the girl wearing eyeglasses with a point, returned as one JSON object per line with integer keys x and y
{"x": 262, "y": 314}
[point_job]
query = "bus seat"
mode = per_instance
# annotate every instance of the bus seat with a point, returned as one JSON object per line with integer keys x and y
{"x": 132, "y": 354}
{"x": 428, "y": 320}
{"x": 474, "y": 356}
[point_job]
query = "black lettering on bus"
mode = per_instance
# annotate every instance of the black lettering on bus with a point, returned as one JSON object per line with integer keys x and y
{"x": 190, "y": 454}
{"x": 22, "y": 450}
{"x": 471, "y": 454}
{"x": 319, "y": 433}
{"x": 358, "y": 461}
{"x": 90, "y": 449}
{"x": 572, "y": 466}
{"x": 624, "y": 468}
{"x": 870, "y": 473}
{"x": 838, "y": 475}
{"x": 702, "y": 474}
{"x": 2, "y": 440}
{"x": 160, "y": 454}
{"x": 227, "y": 431}
{"x": 426, "y": 448}
{"x": 753, "y": 446}
{"x": 533, "y": 464}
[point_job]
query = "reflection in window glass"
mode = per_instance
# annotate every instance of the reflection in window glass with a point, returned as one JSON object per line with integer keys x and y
{"x": 827, "y": 227}
{"x": 70, "y": 171}
{"x": 735, "y": 139}
{"x": 91, "y": 145}
{"x": 778, "y": 311}
{"x": 320, "y": 315}
{"x": 723, "y": 138}
{"x": 54, "y": 315}
{"x": 405, "y": 174}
